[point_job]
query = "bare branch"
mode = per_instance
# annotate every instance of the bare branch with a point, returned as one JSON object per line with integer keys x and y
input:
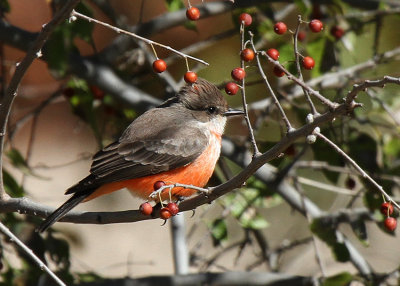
{"x": 150, "y": 42}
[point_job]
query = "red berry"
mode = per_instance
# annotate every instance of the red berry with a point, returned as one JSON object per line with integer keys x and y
{"x": 280, "y": 28}
{"x": 231, "y": 88}
{"x": 337, "y": 32}
{"x": 238, "y": 74}
{"x": 278, "y": 71}
{"x": 146, "y": 208}
{"x": 273, "y": 53}
{"x": 190, "y": 77}
{"x": 308, "y": 63}
{"x": 247, "y": 55}
{"x": 159, "y": 66}
{"x": 193, "y": 13}
{"x": 316, "y": 26}
{"x": 387, "y": 208}
{"x": 246, "y": 19}
{"x": 97, "y": 92}
{"x": 390, "y": 223}
{"x": 173, "y": 208}
{"x": 350, "y": 183}
{"x": 165, "y": 213}
{"x": 301, "y": 36}
{"x": 157, "y": 185}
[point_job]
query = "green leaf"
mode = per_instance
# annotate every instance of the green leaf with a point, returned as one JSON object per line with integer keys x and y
{"x": 11, "y": 185}
{"x": 302, "y": 7}
{"x": 341, "y": 279}
{"x": 341, "y": 252}
{"x": 17, "y": 160}
{"x": 82, "y": 28}
{"x": 174, "y": 5}
{"x": 328, "y": 234}
{"x": 316, "y": 49}
{"x": 56, "y": 51}
{"x": 286, "y": 53}
{"x": 363, "y": 150}
{"x": 219, "y": 231}
{"x": 89, "y": 277}
{"x": 253, "y": 221}
{"x": 360, "y": 230}
{"x": 4, "y": 6}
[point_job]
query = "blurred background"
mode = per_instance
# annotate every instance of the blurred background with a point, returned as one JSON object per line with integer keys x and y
{"x": 69, "y": 105}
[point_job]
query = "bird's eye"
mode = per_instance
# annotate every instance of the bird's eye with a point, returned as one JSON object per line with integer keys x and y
{"x": 212, "y": 109}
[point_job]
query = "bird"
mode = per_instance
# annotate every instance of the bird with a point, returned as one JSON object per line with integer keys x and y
{"x": 177, "y": 142}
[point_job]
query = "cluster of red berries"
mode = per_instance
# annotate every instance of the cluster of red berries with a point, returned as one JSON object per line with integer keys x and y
{"x": 160, "y": 66}
{"x": 166, "y": 212}
{"x": 246, "y": 55}
{"x": 387, "y": 209}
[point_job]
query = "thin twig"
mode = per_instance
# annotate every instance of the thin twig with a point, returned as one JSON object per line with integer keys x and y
{"x": 289, "y": 127}
{"x": 30, "y": 253}
{"x": 309, "y": 220}
{"x": 324, "y": 100}
{"x": 244, "y": 102}
{"x": 370, "y": 83}
{"x": 383, "y": 104}
{"x": 150, "y": 42}
{"x": 357, "y": 167}
{"x": 297, "y": 60}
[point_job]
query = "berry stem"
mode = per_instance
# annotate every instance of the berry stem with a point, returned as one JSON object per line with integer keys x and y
{"x": 289, "y": 127}
{"x": 300, "y": 74}
{"x": 187, "y": 64}
{"x": 120, "y": 31}
{"x": 244, "y": 101}
{"x": 154, "y": 51}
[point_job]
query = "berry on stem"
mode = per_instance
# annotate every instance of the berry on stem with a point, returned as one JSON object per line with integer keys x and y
{"x": 165, "y": 213}
{"x": 301, "y": 36}
{"x": 193, "y": 13}
{"x": 280, "y": 28}
{"x": 159, "y": 66}
{"x": 190, "y": 77}
{"x": 231, "y": 88}
{"x": 247, "y": 55}
{"x": 173, "y": 208}
{"x": 278, "y": 71}
{"x": 157, "y": 185}
{"x": 246, "y": 19}
{"x": 387, "y": 208}
{"x": 390, "y": 223}
{"x": 238, "y": 74}
{"x": 146, "y": 208}
{"x": 337, "y": 32}
{"x": 273, "y": 53}
{"x": 308, "y": 63}
{"x": 316, "y": 26}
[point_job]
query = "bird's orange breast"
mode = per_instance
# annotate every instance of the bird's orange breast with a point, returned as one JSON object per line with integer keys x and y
{"x": 196, "y": 173}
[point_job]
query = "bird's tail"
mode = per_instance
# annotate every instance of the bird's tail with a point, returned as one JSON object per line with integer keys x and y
{"x": 63, "y": 209}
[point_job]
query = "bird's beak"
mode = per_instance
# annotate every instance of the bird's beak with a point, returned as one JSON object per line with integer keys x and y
{"x": 232, "y": 112}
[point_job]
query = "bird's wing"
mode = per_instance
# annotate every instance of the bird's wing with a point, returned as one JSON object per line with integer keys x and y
{"x": 131, "y": 157}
